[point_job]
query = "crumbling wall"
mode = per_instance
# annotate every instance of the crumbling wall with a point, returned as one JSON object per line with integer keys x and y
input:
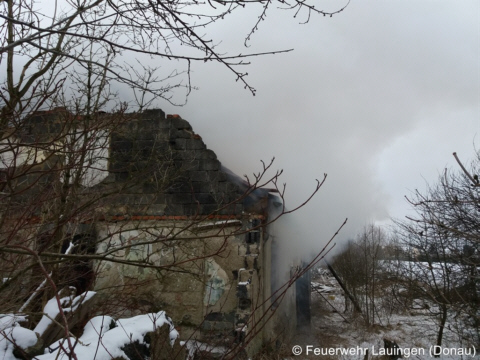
{"x": 185, "y": 212}
{"x": 211, "y": 285}
{"x": 173, "y": 171}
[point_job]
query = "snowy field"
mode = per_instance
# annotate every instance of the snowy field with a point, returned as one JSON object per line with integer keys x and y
{"x": 338, "y": 335}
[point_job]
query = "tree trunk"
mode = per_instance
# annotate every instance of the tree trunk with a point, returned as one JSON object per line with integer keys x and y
{"x": 443, "y": 320}
{"x": 342, "y": 285}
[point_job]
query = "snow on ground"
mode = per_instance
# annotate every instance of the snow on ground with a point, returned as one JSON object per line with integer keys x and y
{"x": 103, "y": 337}
{"x": 414, "y": 331}
{"x": 16, "y": 334}
{"x": 51, "y": 309}
{"x": 11, "y": 320}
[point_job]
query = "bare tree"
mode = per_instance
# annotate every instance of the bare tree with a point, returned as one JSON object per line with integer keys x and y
{"x": 444, "y": 239}
{"x": 359, "y": 267}
{"x": 370, "y": 242}
{"x": 62, "y": 45}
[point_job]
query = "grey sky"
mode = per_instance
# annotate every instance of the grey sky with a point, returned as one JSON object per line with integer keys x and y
{"x": 378, "y": 97}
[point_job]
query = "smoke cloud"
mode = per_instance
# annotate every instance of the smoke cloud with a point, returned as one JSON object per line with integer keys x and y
{"x": 377, "y": 97}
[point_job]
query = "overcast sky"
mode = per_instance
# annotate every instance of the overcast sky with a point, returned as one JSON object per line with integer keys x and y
{"x": 378, "y": 97}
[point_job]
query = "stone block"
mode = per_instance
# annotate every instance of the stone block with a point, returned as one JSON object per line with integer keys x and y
{"x": 234, "y": 209}
{"x": 221, "y": 176}
{"x": 165, "y": 124}
{"x": 199, "y": 176}
{"x": 180, "y": 144}
{"x": 210, "y": 165}
{"x": 228, "y": 187}
{"x": 182, "y": 198}
{"x": 195, "y": 144}
{"x": 200, "y": 209}
{"x": 178, "y": 164}
{"x": 207, "y": 154}
{"x": 192, "y": 209}
{"x": 251, "y": 262}
{"x": 156, "y": 114}
{"x": 144, "y": 145}
{"x": 137, "y": 199}
{"x": 142, "y": 165}
{"x": 245, "y": 275}
{"x": 155, "y": 209}
{"x": 174, "y": 134}
{"x": 179, "y": 123}
{"x": 190, "y": 164}
{"x": 174, "y": 209}
{"x": 118, "y": 164}
{"x": 159, "y": 199}
{"x": 145, "y": 126}
{"x": 205, "y": 198}
{"x": 121, "y": 144}
{"x": 121, "y": 176}
{"x": 204, "y": 187}
{"x": 184, "y": 134}
{"x": 188, "y": 155}
{"x": 135, "y": 132}
{"x": 179, "y": 187}
{"x": 242, "y": 250}
{"x": 252, "y": 249}
{"x": 162, "y": 136}
{"x": 209, "y": 208}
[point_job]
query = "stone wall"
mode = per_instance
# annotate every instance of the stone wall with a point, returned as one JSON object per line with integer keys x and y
{"x": 173, "y": 170}
{"x": 214, "y": 285}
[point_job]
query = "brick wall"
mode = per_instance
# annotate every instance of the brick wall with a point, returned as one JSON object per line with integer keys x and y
{"x": 163, "y": 157}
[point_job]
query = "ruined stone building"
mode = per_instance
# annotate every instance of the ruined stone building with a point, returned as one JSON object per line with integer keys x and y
{"x": 172, "y": 228}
